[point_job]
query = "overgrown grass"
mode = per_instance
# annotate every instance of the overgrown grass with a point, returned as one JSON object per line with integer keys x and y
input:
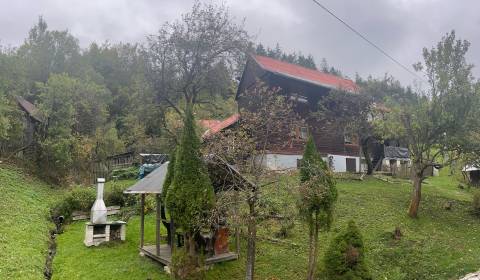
{"x": 440, "y": 244}
{"x": 24, "y": 224}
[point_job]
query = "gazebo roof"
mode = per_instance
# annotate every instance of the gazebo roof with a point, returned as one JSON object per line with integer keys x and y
{"x": 152, "y": 183}
{"x": 470, "y": 168}
{"x": 224, "y": 177}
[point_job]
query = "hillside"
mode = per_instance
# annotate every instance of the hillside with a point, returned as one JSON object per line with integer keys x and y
{"x": 440, "y": 244}
{"x": 24, "y": 226}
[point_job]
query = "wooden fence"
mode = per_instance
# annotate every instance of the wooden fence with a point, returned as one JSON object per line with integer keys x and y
{"x": 79, "y": 215}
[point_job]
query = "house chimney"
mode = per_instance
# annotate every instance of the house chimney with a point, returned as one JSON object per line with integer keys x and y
{"x": 99, "y": 211}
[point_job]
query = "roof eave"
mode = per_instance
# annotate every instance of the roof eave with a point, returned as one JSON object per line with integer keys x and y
{"x": 298, "y": 78}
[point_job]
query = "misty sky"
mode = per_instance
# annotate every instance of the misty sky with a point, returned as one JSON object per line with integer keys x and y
{"x": 401, "y": 27}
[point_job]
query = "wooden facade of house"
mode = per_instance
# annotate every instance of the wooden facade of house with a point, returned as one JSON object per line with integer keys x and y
{"x": 306, "y": 87}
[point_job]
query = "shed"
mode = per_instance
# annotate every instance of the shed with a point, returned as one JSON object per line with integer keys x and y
{"x": 224, "y": 177}
{"x": 472, "y": 172}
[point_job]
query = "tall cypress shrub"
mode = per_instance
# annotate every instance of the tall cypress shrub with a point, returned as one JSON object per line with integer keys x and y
{"x": 312, "y": 162}
{"x": 170, "y": 174}
{"x": 190, "y": 197}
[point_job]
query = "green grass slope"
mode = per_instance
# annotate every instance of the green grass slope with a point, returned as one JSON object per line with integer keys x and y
{"x": 440, "y": 244}
{"x": 24, "y": 227}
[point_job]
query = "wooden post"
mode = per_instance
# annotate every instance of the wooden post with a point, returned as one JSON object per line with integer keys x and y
{"x": 157, "y": 229}
{"x": 173, "y": 235}
{"x": 142, "y": 220}
{"x": 237, "y": 222}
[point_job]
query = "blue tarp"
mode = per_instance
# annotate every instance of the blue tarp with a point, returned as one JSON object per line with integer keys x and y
{"x": 146, "y": 168}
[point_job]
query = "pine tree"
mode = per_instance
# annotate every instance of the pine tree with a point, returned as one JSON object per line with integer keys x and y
{"x": 317, "y": 198}
{"x": 190, "y": 197}
{"x": 345, "y": 259}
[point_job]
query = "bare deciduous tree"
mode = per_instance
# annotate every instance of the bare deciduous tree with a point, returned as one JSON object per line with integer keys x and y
{"x": 196, "y": 57}
{"x": 267, "y": 121}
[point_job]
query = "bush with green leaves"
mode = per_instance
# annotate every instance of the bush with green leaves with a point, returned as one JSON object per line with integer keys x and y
{"x": 79, "y": 199}
{"x": 82, "y": 199}
{"x": 186, "y": 267}
{"x": 345, "y": 258}
{"x": 115, "y": 196}
{"x": 125, "y": 173}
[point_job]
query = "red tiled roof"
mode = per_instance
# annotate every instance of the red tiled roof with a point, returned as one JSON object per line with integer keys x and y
{"x": 305, "y": 74}
{"x": 30, "y": 109}
{"x": 221, "y": 125}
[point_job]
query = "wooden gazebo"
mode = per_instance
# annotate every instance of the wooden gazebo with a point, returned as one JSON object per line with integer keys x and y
{"x": 224, "y": 177}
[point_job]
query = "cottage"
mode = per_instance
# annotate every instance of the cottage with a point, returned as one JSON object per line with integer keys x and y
{"x": 306, "y": 87}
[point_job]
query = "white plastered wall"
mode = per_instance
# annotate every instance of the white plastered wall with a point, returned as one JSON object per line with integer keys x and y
{"x": 289, "y": 162}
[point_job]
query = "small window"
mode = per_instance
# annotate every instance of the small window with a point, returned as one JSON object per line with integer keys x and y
{"x": 347, "y": 139}
{"x": 299, "y": 98}
{"x": 303, "y": 133}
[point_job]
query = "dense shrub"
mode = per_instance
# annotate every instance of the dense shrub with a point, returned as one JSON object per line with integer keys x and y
{"x": 82, "y": 199}
{"x": 186, "y": 267}
{"x": 115, "y": 196}
{"x": 344, "y": 259}
{"x": 79, "y": 199}
{"x": 476, "y": 203}
{"x": 125, "y": 173}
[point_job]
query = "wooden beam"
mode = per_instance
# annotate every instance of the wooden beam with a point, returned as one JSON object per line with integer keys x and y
{"x": 142, "y": 220}
{"x": 172, "y": 235}
{"x": 237, "y": 222}
{"x": 159, "y": 219}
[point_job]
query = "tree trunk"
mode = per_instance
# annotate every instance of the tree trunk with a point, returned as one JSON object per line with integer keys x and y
{"x": 313, "y": 248}
{"x": 366, "y": 154}
{"x": 251, "y": 242}
{"x": 315, "y": 244}
{"x": 416, "y": 194}
{"x": 190, "y": 244}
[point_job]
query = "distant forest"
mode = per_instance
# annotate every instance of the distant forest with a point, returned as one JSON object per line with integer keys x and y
{"x": 113, "y": 98}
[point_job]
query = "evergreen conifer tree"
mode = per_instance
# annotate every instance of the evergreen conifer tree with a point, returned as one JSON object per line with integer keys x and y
{"x": 170, "y": 174}
{"x": 190, "y": 197}
{"x": 345, "y": 259}
{"x": 312, "y": 162}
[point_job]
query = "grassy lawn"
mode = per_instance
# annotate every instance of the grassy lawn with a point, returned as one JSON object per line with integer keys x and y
{"x": 440, "y": 244}
{"x": 24, "y": 226}
{"x": 112, "y": 261}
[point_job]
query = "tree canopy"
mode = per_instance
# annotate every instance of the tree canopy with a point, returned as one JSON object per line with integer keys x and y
{"x": 440, "y": 119}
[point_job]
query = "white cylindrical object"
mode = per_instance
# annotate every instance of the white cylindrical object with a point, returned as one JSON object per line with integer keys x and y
{"x": 100, "y": 187}
{"x": 99, "y": 210}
